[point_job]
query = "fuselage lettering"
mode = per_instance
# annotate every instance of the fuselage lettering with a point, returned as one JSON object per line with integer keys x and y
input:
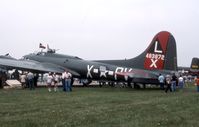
{"x": 156, "y": 48}
{"x": 153, "y": 63}
{"x": 122, "y": 72}
{"x": 155, "y": 56}
{"x": 89, "y": 68}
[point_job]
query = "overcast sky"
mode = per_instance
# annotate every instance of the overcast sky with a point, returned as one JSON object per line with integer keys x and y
{"x": 98, "y": 29}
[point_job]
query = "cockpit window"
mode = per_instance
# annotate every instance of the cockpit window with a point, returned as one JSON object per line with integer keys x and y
{"x": 77, "y": 57}
{"x": 41, "y": 53}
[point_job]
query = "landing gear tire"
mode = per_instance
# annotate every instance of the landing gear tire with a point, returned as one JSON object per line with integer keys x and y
{"x": 136, "y": 86}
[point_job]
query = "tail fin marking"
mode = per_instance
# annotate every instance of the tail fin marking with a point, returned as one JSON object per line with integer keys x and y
{"x": 155, "y": 53}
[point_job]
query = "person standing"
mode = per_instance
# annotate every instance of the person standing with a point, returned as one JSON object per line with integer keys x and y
{"x": 68, "y": 77}
{"x": 49, "y": 81}
{"x": 36, "y": 76}
{"x": 168, "y": 83}
{"x": 173, "y": 82}
{"x": 16, "y": 74}
{"x": 30, "y": 77}
{"x": 56, "y": 81}
{"x": 197, "y": 83}
{"x": 181, "y": 82}
{"x": 161, "y": 81}
{"x": 23, "y": 80}
{"x": 63, "y": 81}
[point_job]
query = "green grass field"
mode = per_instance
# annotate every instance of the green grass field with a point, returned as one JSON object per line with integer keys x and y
{"x": 99, "y": 107}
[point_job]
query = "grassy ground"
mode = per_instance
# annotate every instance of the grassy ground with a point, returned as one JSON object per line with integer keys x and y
{"x": 99, "y": 107}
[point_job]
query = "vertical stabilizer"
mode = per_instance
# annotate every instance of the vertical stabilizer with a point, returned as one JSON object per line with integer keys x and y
{"x": 161, "y": 54}
{"x": 195, "y": 63}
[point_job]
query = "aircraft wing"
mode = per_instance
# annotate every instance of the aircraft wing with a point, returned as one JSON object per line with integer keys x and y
{"x": 34, "y": 66}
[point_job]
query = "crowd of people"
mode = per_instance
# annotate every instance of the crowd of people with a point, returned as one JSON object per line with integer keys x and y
{"x": 29, "y": 80}
{"x": 172, "y": 82}
{"x": 54, "y": 79}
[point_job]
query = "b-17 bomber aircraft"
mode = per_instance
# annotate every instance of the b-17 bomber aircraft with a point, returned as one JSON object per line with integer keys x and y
{"x": 159, "y": 57}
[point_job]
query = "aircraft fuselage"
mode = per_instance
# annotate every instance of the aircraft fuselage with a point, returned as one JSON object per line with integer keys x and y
{"x": 94, "y": 70}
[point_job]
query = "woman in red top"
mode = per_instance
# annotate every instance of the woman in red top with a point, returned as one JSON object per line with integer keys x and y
{"x": 197, "y": 83}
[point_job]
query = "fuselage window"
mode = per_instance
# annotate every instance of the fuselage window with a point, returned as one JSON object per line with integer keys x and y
{"x": 66, "y": 61}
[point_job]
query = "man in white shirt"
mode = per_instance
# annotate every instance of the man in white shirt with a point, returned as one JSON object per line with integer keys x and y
{"x": 67, "y": 76}
{"x": 30, "y": 77}
{"x": 181, "y": 82}
{"x": 23, "y": 80}
{"x": 161, "y": 81}
{"x": 49, "y": 81}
